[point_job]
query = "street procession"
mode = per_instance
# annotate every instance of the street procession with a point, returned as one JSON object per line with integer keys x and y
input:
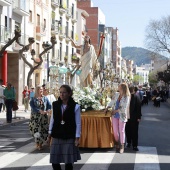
{"x": 74, "y": 94}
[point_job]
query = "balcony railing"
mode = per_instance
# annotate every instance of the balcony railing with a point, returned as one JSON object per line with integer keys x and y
{"x": 68, "y": 34}
{"x": 21, "y": 7}
{"x": 68, "y": 13}
{"x": 54, "y": 29}
{"x": 5, "y": 2}
{"x": 62, "y": 31}
{"x": 74, "y": 16}
{"x": 62, "y": 9}
{"x": 55, "y": 3}
{"x": 40, "y": 30}
{"x": 5, "y": 34}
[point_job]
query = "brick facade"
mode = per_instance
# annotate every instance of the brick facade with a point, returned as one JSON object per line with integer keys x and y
{"x": 91, "y": 21}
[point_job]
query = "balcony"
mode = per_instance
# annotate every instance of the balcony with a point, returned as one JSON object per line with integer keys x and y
{"x": 68, "y": 13}
{"x": 68, "y": 34}
{"x": 62, "y": 9}
{"x": 5, "y": 2}
{"x": 54, "y": 29}
{"x": 62, "y": 32}
{"x": 40, "y": 30}
{"x": 21, "y": 7}
{"x": 55, "y": 3}
{"x": 23, "y": 40}
{"x": 74, "y": 17}
{"x": 5, "y": 34}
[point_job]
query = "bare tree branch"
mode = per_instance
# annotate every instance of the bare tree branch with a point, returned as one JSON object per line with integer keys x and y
{"x": 38, "y": 63}
{"x": 17, "y": 35}
{"x": 157, "y": 36}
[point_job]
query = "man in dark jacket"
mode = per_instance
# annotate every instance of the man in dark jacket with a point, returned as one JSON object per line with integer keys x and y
{"x": 133, "y": 123}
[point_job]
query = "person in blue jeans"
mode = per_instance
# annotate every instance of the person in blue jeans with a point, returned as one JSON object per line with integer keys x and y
{"x": 9, "y": 94}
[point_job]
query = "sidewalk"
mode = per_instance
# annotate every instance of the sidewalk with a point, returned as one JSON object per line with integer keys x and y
{"x": 17, "y": 117}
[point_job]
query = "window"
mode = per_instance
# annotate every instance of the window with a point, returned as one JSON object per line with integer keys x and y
{"x": 44, "y": 25}
{"x": 8, "y": 22}
{"x": 67, "y": 26}
{"x": 72, "y": 51}
{"x": 17, "y": 25}
{"x": 72, "y": 35}
{"x": 67, "y": 50}
{"x": 53, "y": 17}
{"x": 30, "y": 17}
{"x": 67, "y": 3}
{"x": 37, "y": 49}
{"x": 38, "y": 19}
{"x": 73, "y": 11}
{"x": 60, "y": 51}
{"x": 5, "y": 21}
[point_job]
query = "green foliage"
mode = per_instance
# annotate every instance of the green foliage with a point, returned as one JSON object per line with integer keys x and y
{"x": 152, "y": 78}
{"x": 74, "y": 57}
{"x": 137, "y": 78}
{"x": 139, "y": 55}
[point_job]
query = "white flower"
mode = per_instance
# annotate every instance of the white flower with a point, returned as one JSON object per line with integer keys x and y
{"x": 87, "y": 98}
{"x": 83, "y": 110}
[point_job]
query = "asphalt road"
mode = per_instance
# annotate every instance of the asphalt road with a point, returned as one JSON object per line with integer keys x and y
{"x": 17, "y": 148}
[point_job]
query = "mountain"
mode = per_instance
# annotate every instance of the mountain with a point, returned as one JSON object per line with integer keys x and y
{"x": 140, "y": 55}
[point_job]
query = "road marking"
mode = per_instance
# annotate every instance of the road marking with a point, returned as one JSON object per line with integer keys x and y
{"x": 98, "y": 161}
{"x": 4, "y": 144}
{"x": 147, "y": 158}
{"x": 11, "y": 157}
{"x": 41, "y": 164}
{"x": 15, "y": 139}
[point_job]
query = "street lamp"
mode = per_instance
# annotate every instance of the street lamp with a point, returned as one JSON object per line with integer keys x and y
{"x": 47, "y": 45}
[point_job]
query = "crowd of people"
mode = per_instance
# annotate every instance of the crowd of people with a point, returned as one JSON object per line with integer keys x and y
{"x": 157, "y": 95}
{"x": 58, "y": 121}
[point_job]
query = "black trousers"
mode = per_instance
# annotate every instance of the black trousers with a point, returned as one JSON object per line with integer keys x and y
{"x": 58, "y": 166}
{"x": 1, "y": 106}
{"x": 131, "y": 130}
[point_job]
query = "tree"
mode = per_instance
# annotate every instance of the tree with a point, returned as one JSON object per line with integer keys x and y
{"x": 137, "y": 79}
{"x": 158, "y": 35}
{"x": 10, "y": 41}
{"x": 38, "y": 60}
{"x": 152, "y": 78}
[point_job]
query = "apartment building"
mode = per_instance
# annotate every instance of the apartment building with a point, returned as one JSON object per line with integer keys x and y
{"x": 13, "y": 14}
{"x": 116, "y": 53}
{"x": 144, "y": 73}
{"x": 40, "y": 19}
{"x": 124, "y": 73}
{"x": 96, "y": 17}
{"x": 130, "y": 66}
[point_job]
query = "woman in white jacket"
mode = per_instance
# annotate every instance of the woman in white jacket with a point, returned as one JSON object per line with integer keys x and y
{"x": 120, "y": 114}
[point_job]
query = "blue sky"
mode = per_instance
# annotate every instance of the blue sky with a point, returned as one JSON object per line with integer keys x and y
{"x": 131, "y": 17}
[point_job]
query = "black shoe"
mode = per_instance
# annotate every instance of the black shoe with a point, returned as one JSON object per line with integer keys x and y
{"x": 128, "y": 145}
{"x": 135, "y": 149}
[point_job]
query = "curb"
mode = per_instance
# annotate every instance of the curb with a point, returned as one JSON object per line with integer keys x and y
{"x": 13, "y": 123}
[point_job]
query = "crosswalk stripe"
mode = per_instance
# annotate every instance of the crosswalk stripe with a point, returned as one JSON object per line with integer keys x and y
{"x": 147, "y": 158}
{"x": 10, "y": 157}
{"x": 41, "y": 164}
{"x": 98, "y": 161}
{"x": 4, "y": 144}
{"x": 15, "y": 139}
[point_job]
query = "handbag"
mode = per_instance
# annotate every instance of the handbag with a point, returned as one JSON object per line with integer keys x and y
{"x": 15, "y": 105}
